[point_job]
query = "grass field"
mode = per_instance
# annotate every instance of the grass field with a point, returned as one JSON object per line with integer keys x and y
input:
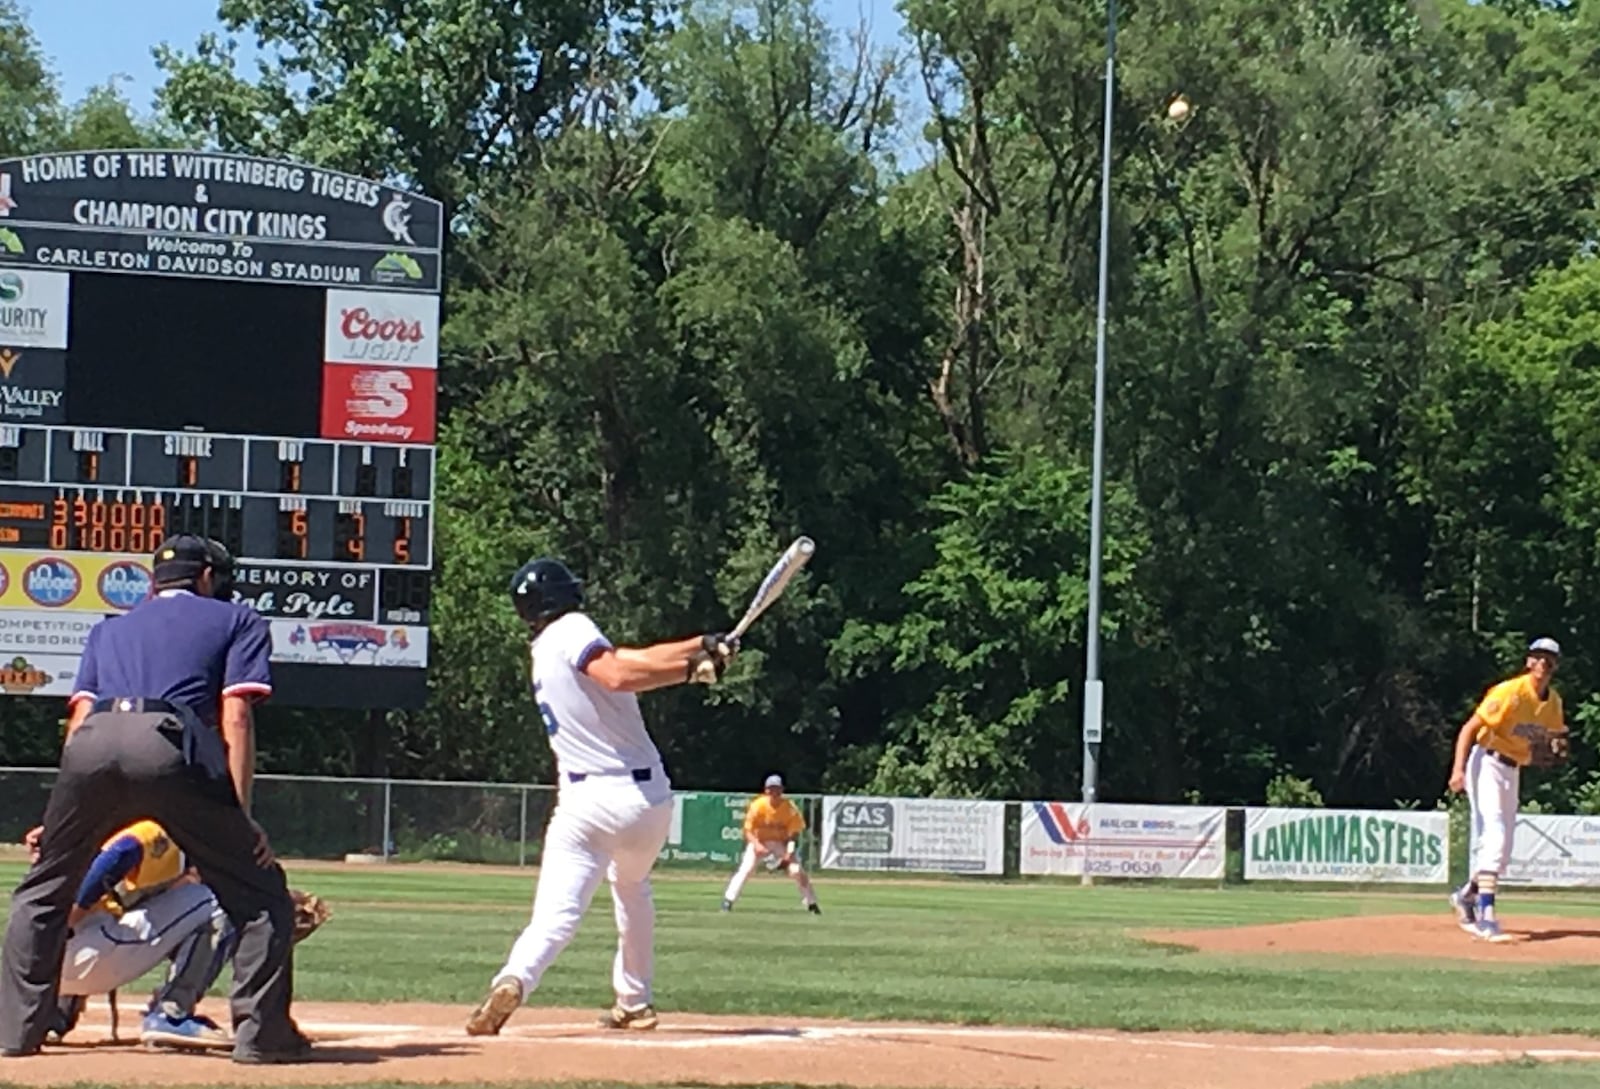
{"x": 1057, "y": 955}
{"x": 1049, "y": 955}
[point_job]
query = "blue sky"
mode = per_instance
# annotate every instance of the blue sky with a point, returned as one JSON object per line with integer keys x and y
{"x": 89, "y": 41}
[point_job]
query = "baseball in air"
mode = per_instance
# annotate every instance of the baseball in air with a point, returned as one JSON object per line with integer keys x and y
{"x": 1178, "y": 108}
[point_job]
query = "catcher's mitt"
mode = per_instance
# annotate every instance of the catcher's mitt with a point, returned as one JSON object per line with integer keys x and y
{"x": 310, "y": 912}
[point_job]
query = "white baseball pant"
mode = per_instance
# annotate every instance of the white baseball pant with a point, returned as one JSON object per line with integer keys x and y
{"x": 607, "y": 826}
{"x": 106, "y": 952}
{"x": 1492, "y": 791}
{"x": 747, "y": 866}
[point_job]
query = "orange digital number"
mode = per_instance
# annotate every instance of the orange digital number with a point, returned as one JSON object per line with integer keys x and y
{"x": 402, "y": 541}
{"x": 80, "y": 512}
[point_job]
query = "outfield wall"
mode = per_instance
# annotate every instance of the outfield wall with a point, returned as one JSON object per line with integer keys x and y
{"x": 408, "y": 820}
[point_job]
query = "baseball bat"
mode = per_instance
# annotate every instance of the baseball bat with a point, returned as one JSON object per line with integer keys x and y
{"x": 796, "y": 556}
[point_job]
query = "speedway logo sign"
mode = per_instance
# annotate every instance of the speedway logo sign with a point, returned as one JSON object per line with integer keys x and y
{"x": 1346, "y": 845}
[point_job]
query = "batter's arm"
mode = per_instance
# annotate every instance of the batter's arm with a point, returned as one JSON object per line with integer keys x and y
{"x": 1464, "y": 740}
{"x": 641, "y": 669}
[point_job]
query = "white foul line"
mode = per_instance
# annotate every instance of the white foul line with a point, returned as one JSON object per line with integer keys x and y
{"x": 715, "y": 1035}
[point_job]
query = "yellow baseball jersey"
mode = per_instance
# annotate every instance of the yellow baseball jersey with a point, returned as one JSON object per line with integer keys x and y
{"x": 160, "y": 864}
{"x": 765, "y": 821}
{"x": 1513, "y": 704}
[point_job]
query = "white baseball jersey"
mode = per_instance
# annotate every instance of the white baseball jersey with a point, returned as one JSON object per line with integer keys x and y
{"x": 593, "y": 730}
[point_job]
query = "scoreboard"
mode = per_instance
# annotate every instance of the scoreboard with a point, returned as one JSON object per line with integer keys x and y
{"x": 241, "y": 348}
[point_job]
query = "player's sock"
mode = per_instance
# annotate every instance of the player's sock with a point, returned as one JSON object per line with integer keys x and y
{"x": 1487, "y": 883}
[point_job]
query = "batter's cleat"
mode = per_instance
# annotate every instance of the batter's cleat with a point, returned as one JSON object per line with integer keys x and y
{"x": 727, "y": 905}
{"x": 814, "y": 909}
{"x": 1466, "y": 912}
{"x": 193, "y": 1031}
{"x": 641, "y": 1019}
{"x": 1489, "y": 930}
{"x": 492, "y": 1014}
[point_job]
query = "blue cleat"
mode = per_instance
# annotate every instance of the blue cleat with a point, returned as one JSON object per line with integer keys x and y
{"x": 193, "y": 1031}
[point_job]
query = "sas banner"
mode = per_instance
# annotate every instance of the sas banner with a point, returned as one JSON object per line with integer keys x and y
{"x": 706, "y": 827}
{"x": 1346, "y": 845}
{"x": 1554, "y": 851}
{"x": 82, "y": 582}
{"x": 917, "y": 834}
{"x": 1173, "y": 841}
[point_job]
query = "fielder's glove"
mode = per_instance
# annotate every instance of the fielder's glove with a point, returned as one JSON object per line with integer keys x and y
{"x": 310, "y": 912}
{"x": 1547, "y": 749}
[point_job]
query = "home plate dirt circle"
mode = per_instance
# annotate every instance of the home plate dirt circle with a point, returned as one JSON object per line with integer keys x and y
{"x": 426, "y": 1043}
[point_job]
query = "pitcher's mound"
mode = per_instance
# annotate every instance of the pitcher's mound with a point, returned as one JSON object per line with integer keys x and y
{"x": 1534, "y": 939}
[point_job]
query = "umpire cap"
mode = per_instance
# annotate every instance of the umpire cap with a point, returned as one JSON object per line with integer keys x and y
{"x": 544, "y": 589}
{"x": 179, "y": 560}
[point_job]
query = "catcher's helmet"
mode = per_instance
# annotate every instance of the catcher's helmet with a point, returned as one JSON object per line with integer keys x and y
{"x": 543, "y": 589}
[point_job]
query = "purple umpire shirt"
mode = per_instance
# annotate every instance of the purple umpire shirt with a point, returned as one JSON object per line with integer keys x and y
{"x": 181, "y": 648}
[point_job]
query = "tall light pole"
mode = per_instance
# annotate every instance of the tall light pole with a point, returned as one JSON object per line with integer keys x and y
{"x": 1093, "y": 689}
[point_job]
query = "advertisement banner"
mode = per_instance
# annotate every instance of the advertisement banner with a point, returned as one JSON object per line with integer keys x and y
{"x": 1174, "y": 841}
{"x": 392, "y": 404}
{"x": 33, "y": 308}
{"x": 33, "y": 385}
{"x": 1554, "y": 851}
{"x": 309, "y": 593}
{"x": 1346, "y": 845}
{"x": 381, "y": 328}
{"x": 706, "y": 827}
{"x": 347, "y": 643}
{"x": 25, "y": 631}
{"x": 102, "y": 583}
{"x": 917, "y": 834}
{"x": 38, "y": 674}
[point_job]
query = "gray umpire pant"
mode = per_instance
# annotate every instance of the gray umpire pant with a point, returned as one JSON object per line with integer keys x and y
{"x": 120, "y": 767}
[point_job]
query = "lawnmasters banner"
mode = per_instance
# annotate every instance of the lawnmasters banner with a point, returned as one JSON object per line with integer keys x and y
{"x": 1175, "y": 841}
{"x": 922, "y": 834}
{"x": 1346, "y": 845}
{"x": 1555, "y": 851}
{"x": 706, "y": 828}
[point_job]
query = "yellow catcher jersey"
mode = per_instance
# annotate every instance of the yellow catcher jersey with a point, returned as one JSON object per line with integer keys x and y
{"x": 1511, "y": 704}
{"x": 161, "y": 864}
{"x": 767, "y": 822}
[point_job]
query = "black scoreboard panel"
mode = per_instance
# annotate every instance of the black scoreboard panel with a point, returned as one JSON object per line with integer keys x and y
{"x": 226, "y": 357}
{"x": 234, "y": 347}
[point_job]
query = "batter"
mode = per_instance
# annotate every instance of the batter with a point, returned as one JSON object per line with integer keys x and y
{"x": 614, "y": 802}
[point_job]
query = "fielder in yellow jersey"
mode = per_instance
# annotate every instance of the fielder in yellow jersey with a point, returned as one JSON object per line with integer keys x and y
{"x": 1491, "y": 750}
{"x": 771, "y": 825}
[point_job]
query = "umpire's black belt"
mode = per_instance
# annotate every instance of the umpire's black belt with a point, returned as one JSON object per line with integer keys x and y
{"x": 138, "y": 706}
{"x": 640, "y": 775}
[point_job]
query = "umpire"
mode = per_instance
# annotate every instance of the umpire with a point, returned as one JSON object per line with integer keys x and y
{"x": 161, "y": 726}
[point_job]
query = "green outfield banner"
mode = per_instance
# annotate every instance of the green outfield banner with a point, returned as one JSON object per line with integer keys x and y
{"x": 1346, "y": 845}
{"x": 706, "y": 827}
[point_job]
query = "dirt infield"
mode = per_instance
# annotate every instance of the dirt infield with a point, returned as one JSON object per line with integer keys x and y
{"x": 1535, "y": 940}
{"x": 426, "y": 1044}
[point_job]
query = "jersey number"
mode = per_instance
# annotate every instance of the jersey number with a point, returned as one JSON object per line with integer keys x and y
{"x": 551, "y": 726}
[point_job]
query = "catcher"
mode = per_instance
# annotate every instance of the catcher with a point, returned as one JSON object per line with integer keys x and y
{"x": 141, "y": 904}
{"x": 1518, "y": 724}
{"x": 771, "y": 823}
